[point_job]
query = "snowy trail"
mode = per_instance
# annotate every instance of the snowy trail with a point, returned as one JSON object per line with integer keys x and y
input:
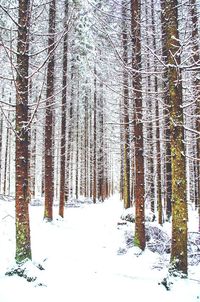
{"x": 83, "y": 261}
{"x": 82, "y": 264}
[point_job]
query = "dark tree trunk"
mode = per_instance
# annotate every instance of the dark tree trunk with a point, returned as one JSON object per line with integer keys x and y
{"x": 23, "y": 242}
{"x": 91, "y": 156}
{"x": 158, "y": 149}
{"x": 126, "y": 143}
{"x": 69, "y": 142}
{"x": 33, "y": 166}
{"x": 86, "y": 144}
{"x": 138, "y": 127}
{"x": 49, "y": 186}
{"x": 6, "y": 160}
{"x": 168, "y": 169}
{"x": 95, "y": 142}
{"x": 196, "y": 59}
{"x": 121, "y": 153}
{"x": 63, "y": 119}
{"x": 1, "y": 138}
{"x": 77, "y": 149}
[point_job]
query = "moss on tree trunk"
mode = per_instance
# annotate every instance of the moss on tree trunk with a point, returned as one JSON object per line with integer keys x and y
{"x": 179, "y": 201}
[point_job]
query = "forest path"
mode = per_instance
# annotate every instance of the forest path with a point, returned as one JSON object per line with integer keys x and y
{"x": 81, "y": 260}
{"x": 83, "y": 263}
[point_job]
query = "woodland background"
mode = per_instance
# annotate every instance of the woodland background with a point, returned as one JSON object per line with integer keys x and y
{"x": 97, "y": 97}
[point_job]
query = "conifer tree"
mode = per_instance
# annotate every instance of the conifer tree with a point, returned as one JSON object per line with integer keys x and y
{"x": 63, "y": 120}
{"x": 179, "y": 202}
{"x": 138, "y": 127}
{"x": 126, "y": 151}
{"x": 49, "y": 187}
{"x": 23, "y": 242}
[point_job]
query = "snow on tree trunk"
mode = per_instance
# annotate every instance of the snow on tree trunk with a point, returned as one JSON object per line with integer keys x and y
{"x": 49, "y": 188}
{"x": 138, "y": 127}
{"x": 23, "y": 242}
{"x": 179, "y": 202}
{"x": 126, "y": 153}
{"x": 63, "y": 120}
{"x": 196, "y": 58}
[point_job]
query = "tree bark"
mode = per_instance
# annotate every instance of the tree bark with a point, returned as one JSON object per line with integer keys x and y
{"x": 77, "y": 147}
{"x": 196, "y": 59}
{"x": 138, "y": 127}
{"x": 168, "y": 166}
{"x": 49, "y": 186}
{"x": 95, "y": 142}
{"x": 23, "y": 241}
{"x": 179, "y": 201}
{"x": 63, "y": 118}
{"x": 158, "y": 148}
{"x": 126, "y": 142}
{"x": 86, "y": 139}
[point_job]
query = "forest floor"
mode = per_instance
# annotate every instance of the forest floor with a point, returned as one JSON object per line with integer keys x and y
{"x": 85, "y": 258}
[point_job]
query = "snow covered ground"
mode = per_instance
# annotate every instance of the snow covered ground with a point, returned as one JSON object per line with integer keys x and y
{"x": 82, "y": 260}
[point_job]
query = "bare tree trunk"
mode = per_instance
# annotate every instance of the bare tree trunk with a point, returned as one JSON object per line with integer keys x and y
{"x": 91, "y": 156}
{"x": 86, "y": 145}
{"x": 95, "y": 142}
{"x": 49, "y": 186}
{"x": 140, "y": 240}
{"x": 126, "y": 143}
{"x": 69, "y": 142}
{"x": 23, "y": 241}
{"x": 77, "y": 148}
{"x": 196, "y": 59}
{"x": 168, "y": 169}
{"x": 1, "y": 139}
{"x": 100, "y": 161}
{"x": 6, "y": 161}
{"x": 179, "y": 200}
{"x": 158, "y": 149}
{"x": 63, "y": 120}
{"x": 121, "y": 153}
{"x": 149, "y": 116}
{"x": 33, "y": 166}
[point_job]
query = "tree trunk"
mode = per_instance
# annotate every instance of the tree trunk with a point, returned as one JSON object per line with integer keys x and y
{"x": 49, "y": 186}
{"x": 70, "y": 134}
{"x": 1, "y": 140}
{"x": 121, "y": 189}
{"x": 23, "y": 242}
{"x": 168, "y": 167}
{"x": 63, "y": 118}
{"x": 91, "y": 155}
{"x": 158, "y": 148}
{"x": 95, "y": 142}
{"x": 126, "y": 143}
{"x": 77, "y": 148}
{"x": 179, "y": 201}
{"x": 86, "y": 144}
{"x": 196, "y": 59}
{"x": 138, "y": 127}
{"x": 6, "y": 160}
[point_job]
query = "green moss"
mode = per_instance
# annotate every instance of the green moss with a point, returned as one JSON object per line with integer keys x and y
{"x": 23, "y": 247}
{"x": 136, "y": 241}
